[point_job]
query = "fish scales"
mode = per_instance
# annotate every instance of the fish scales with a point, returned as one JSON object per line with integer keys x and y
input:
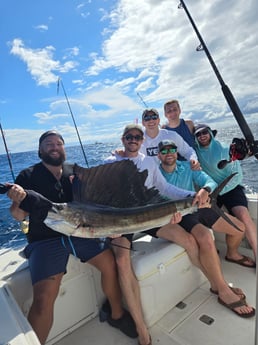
{"x": 112, "y": 199}
{"x": 91, "y": 221}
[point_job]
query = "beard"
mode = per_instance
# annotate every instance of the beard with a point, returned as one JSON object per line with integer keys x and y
{"x": 56, "y": 161}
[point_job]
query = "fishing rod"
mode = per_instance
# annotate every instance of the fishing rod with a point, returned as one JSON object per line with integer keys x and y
{"x": 3, "y": 188}
{"x": 251, "y": 144}
{"x": 59, "y": 82}
{"x": 142, "y": 100}
{"x": 7, "y": 152}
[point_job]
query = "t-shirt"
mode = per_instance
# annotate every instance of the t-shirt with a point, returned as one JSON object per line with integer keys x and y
{"x": 150, "y": 148}
{"x": 41, "y": 180}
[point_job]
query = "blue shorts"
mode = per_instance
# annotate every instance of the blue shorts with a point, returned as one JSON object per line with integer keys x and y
{"x": 235, "y": 197}
{"x": 205, "y": 216}
{"x": 49, "y": 257}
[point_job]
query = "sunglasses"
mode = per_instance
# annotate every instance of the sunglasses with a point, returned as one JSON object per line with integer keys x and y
{"x": 166, "y": 151}
{"x": 150, "y": 117}
{"x": 204, "y": 132}
{"x": 130, "y": 137}
{"x": 60, "y": 190}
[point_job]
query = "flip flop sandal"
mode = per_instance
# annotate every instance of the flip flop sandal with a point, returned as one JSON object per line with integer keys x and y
{"x": 236, "y": 291}
{"x": 237, "y": 304}
{"x": 242, "y": 262}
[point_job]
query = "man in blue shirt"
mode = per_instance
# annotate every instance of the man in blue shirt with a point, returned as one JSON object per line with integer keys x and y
{"x": 180, "y": 174}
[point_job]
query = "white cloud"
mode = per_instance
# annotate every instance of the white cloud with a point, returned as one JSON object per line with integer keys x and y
{"x": 47, "y": 117}
{"x": 41, "y": 27}
{"x": 40, "y": 62}
{"x": 148, "y": 47}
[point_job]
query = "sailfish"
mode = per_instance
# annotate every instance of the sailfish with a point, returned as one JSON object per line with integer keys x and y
{"x": 111, "y": 199}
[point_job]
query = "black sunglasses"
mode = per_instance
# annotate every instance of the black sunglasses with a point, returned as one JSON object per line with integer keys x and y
{"x": 150, "y": 117}
{"x": 166, "y": 151}
{"x": 130, "y": 137}
{"x": 60, "y": 190}
{"x": 204, "y": 132}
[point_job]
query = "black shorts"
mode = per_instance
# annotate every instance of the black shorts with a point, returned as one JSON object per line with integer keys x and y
{"x": 205, "y": 216}
{"x": 235, "y": 197}
{"x": 151, "y": 232}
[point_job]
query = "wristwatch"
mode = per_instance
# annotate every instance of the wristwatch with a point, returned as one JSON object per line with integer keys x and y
{"x": 208, "y": 189}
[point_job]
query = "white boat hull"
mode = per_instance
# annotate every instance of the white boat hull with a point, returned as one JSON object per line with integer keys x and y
{"x": 166, "y": 277}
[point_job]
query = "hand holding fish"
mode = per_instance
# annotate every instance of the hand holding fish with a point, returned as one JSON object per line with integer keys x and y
{"x": 176, "y": 218}
{"x": 202, "y": 198}
{"x": 16, "y": 193}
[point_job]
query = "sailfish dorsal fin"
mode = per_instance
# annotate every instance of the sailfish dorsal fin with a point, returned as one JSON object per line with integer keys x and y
{"x": 118, "y": 184}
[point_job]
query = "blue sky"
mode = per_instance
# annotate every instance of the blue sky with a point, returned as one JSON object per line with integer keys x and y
{"x": 105, "y": 52}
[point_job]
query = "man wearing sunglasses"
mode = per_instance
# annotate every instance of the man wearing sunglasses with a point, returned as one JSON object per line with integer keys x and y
{"x": 197, "y": 225}
{"x": 132, "y": 139}
{"x": 153, "y": 135}
{"x": 211, "y": 152}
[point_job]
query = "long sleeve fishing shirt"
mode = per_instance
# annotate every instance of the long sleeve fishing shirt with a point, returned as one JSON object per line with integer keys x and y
{"x": 210, "y": 156}
{"x": 184, "y": 177}
{"x": 154, "y": 178}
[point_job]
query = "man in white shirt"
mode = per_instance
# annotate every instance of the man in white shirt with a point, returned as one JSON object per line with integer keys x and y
{"x": 132, "y": 139}
{"x": 153, "y": 135}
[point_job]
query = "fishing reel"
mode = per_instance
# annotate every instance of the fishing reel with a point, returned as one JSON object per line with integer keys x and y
{"x": 240, "y": 149}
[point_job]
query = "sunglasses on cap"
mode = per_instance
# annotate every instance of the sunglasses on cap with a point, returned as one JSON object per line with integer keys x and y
{"x": 170, "y": 150}
{"x": 150, "y": 117}
{"x": 59, "y": 188}
{"x": 204, "y": 132}
{"x": 136, "y": 137}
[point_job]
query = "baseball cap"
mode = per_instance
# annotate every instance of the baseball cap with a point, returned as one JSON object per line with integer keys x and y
{"x": 150, "y": 112}
{"x": 201, "y": 126}
{"x": 132, "y": 126}
{"x": 165, "y": 143}
{"x": 48, "y": 133}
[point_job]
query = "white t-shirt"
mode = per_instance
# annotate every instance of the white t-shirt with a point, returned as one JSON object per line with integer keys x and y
{"x": 150, "y": 148}
{"x": 155, "y": 177}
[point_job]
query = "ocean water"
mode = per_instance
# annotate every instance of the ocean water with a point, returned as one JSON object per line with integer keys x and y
{"x": 10, "y": 233}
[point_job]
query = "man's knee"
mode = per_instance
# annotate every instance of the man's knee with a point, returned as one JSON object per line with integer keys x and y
{"x": 44, "y": 301}
{"x": 203, "y": 236}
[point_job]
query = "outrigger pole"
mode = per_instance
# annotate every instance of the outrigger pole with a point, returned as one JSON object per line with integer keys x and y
{"x": 142, "y": 100}
{"x": 252, "y": 144}
{"x": 7, "y": 153}
{"x": 59, "y": 82}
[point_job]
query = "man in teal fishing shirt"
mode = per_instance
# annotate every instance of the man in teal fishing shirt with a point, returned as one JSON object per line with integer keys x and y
{"x": 210, "y": 153}
{"x": 179, "y": 173}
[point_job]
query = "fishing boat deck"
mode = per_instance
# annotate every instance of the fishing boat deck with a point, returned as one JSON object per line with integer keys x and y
{"x": 183, "y": 326}
{"x": 196, "y": 319}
